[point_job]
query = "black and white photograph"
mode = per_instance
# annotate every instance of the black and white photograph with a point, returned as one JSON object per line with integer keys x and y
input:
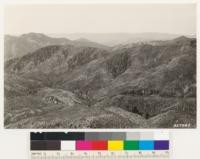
{"x": 116, "y": 66}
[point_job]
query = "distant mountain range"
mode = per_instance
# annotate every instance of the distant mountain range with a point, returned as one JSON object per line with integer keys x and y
{"x": 17, "y": 46}
{"x": 111, "y": 39}
{"x": 83, "y": 84}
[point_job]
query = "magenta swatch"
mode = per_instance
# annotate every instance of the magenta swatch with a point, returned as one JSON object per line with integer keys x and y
{"x": 83, "y": 145}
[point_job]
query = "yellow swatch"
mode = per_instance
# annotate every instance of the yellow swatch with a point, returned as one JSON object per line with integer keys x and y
{"x": 115, "y": 145}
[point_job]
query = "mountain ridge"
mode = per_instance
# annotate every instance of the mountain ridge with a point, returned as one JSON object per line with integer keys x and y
{"x": 111, "y": 39}
{"x": 17, "y": 46}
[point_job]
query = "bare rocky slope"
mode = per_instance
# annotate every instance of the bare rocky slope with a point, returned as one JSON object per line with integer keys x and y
{"x": 151, "y": 85}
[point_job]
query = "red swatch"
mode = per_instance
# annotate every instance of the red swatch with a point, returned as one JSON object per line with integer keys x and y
{"x": 99, "y": 145}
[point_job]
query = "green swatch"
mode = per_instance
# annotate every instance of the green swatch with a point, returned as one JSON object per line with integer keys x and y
{"x": 131, "y": 145}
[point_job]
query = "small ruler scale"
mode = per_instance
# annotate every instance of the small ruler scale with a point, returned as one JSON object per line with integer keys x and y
{"x": 99, "y": 145}
{"x": 100, "y": 155}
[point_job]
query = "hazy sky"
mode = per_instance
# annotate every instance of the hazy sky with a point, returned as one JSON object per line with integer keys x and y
{"x": 101, "y": 18}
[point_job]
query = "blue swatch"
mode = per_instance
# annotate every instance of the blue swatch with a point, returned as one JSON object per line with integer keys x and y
{"x": 146, "y": 145}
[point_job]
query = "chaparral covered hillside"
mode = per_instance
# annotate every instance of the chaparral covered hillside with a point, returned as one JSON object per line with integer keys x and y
{"x": 60, "y": 83}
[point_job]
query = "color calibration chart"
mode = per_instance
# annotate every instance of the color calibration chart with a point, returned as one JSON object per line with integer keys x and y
{"x": 100, "y": 145}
